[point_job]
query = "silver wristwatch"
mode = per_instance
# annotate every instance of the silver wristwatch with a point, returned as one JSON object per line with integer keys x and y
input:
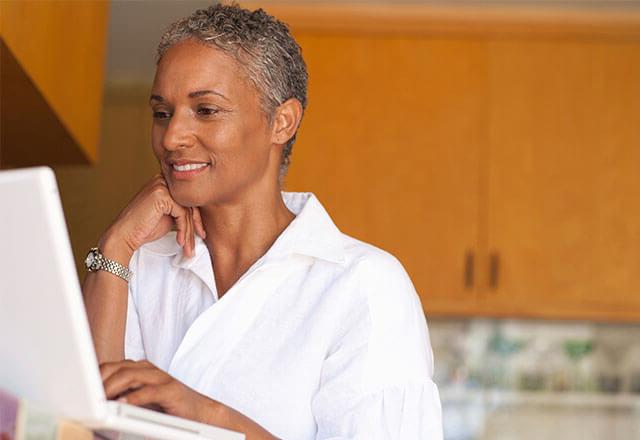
{"x": 96, "y": 261}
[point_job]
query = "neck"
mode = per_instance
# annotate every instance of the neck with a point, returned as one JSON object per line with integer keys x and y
{"x": 243, "y": 231}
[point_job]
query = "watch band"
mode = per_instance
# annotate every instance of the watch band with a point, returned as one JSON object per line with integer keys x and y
{"x": 96, "y": 261}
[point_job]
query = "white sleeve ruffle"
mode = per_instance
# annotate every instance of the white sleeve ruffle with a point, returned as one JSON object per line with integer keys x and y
{"x": 403, "y": 412}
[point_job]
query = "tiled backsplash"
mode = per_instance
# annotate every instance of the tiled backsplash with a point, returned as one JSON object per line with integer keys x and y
{"x": 522, "y": 379}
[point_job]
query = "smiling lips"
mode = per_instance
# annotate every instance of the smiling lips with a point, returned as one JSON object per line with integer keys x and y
{"x": 187, "y": 170}
{"x": 189, "y": 166}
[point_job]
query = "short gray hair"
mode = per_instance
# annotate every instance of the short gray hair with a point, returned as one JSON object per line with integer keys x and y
{"x": 260, "y": 43}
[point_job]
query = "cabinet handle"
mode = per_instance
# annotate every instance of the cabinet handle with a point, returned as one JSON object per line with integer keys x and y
{"x": 494, "y": 270}
{"x": 468, "y": 270}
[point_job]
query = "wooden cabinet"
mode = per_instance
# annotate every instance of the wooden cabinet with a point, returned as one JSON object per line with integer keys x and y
{"x": 563, "y": 201}
{"x": 391, "y": 145}
{"x": 52, "y": 55}
{"x": 517, "y": 151}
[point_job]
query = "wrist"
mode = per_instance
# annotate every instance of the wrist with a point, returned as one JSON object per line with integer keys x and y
{"x": 115, "y": 248}
{"x": 215, "y": 413}
{"x": 223, "y": 416}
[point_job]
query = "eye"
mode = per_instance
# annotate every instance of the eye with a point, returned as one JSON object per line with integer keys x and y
{"x": 161, "y": 115}
{"x": 207, "y": 111}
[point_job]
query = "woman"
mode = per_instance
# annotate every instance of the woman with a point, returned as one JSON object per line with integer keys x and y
{"x": 256, "y": 314}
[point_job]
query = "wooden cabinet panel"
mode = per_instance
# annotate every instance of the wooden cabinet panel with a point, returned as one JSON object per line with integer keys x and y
{"x": 53, "y": 55}
{"x": 509, "y": 133}
{"x": 564, "y": 179}
{"x": 391, "y": 145}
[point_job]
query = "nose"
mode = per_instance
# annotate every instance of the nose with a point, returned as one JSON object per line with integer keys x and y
{"x": 178, "y": 134}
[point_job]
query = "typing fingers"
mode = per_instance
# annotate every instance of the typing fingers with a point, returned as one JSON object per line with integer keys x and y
{"x": 172, "y": 397}
{"x": 107, "y": 369}
{"x": 131, "y": 376}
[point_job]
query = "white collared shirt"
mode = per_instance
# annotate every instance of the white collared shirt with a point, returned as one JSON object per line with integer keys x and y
{"x": 323, "y": 337}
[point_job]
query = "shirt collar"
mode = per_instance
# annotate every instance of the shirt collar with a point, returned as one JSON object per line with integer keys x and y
{"x": 311, "y": 233}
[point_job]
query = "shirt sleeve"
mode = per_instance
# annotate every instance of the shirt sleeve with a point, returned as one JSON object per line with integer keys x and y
{"x": 376, "y": 383}
{"x": 133, "y": 346}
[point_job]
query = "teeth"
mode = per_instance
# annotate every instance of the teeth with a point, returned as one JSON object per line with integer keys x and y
{"x": 189, "y": 166}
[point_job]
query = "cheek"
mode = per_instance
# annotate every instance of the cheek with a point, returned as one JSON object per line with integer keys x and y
{"x": 156, "y": 141}
{"x": 251, "y": 156}
{"x": 238, "y": 149}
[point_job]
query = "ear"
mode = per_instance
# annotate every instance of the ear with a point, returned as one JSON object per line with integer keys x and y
{"x": 286, "y": 120}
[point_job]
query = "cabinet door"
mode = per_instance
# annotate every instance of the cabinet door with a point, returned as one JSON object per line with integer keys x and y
{"x": 390, "y": 144}
{"x": 564, "y": 179}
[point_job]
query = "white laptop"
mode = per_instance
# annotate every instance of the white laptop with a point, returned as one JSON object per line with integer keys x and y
{"x": 46, "y": 352}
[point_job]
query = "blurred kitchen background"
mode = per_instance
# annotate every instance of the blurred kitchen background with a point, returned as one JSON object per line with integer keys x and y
{"x": 493, "y": 147}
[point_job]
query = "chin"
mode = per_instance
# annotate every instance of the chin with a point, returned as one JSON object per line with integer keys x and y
{"x": 188, "y": 199}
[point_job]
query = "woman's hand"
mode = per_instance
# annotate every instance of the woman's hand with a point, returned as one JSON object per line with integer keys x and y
{"x": 143, "y": 384}
{"x": 150, "y": 215}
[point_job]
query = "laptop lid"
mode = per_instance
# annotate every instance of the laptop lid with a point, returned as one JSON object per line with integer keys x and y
{"x": 46, "y": 352}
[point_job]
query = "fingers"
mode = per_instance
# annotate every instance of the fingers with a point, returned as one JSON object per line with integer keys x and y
{"x": 191, "y": 236}
{"x": 160, "y": 179}
{"x": 109, "y": 368}
{"x": 199, "y": 225}
{"x": 132, "y": 375}
{"x": 144, "y": 396}
{"x": 187, "y": 220}
{"x": 187, "y": 226}
{"x": 132, "y": 379}
{"x": 182, "y": 219}
{"x": 174, "y": 398}
{"x": 143, "y": 384}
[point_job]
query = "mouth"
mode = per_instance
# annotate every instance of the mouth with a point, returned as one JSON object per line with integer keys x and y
{"x": 184, "y": 170}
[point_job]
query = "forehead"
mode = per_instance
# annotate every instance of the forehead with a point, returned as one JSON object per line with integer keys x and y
{"x": 190, "y": 65}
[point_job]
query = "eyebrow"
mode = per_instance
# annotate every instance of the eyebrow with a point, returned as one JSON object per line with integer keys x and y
{"x": 196, "y": 94}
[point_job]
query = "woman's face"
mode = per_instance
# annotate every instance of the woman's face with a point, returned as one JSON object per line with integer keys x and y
{"x": 209, "y": 133}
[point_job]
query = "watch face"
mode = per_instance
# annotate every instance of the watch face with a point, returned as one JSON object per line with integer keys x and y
{"x": 91, "y": 261}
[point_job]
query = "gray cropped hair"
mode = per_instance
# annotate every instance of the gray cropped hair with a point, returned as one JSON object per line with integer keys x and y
{"x": 260, "y": 43}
